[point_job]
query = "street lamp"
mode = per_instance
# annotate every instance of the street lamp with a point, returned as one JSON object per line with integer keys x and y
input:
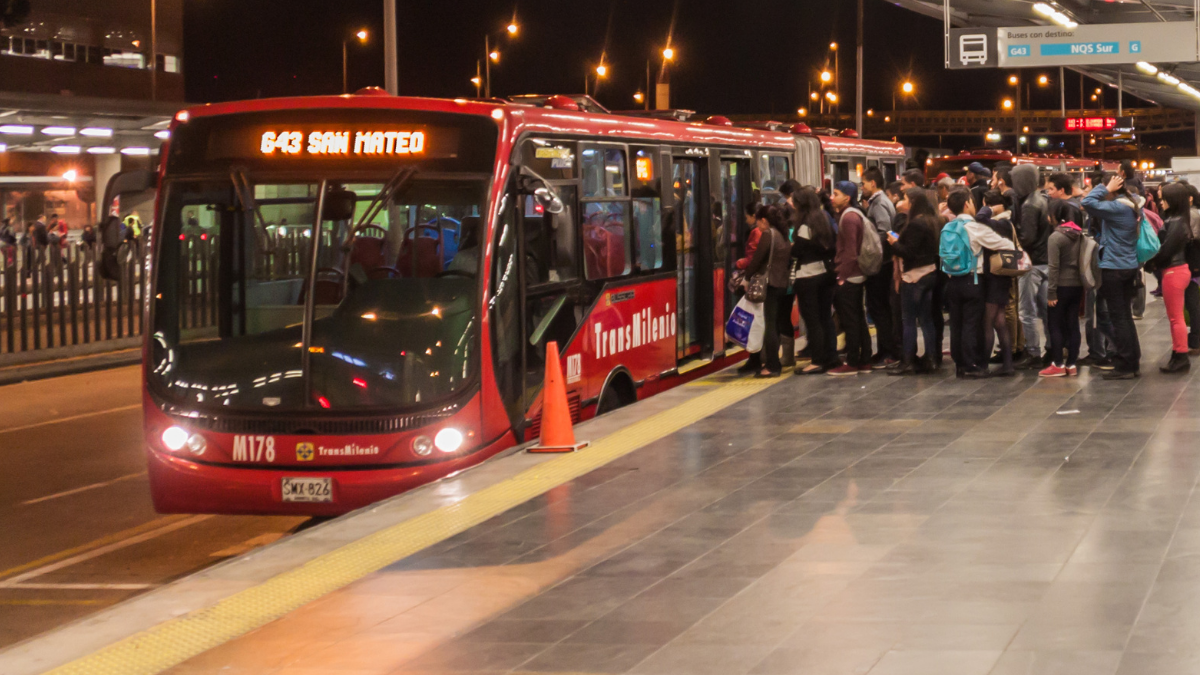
{"x": 478, "y": 82}
{"x": 1012, "y": 79}
{"x": 826, "y": 76}
{"x": 601, "y": 73}
{"x": 802, "y": 112}
{"x": 831, "y": 96}
{"x": 638, "y": 97}
{"x": 837, "y": 71}
{"x": 493, "y": 55}
{"x": 1043, "y": 80}
{"x": 669, "y": 54}
{"x": 1008, "y": 104}
{"x": 361, "y": 36}
{"x": 907, "y": 88}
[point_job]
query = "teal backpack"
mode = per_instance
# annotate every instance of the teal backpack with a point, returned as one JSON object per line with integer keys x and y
{"x": 955, "y": 249}
{"x": 1147, "y": 242}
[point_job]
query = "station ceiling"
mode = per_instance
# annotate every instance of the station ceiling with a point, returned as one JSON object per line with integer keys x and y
{"x": 974, "y": 13}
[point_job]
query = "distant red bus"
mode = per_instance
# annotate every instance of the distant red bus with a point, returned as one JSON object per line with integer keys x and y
{"x": 353, "y": 295}
{"x": 956, "y": 165}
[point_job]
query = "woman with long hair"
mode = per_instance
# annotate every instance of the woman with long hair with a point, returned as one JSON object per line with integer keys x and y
{"x": 1171, "y": 260}
{"x": 916, "y": 247}
{"x": 772, "y": 258}
{"x": 813, "y": 248}
{"x": 997, "y": 289}
{"x": 920, "y": 205}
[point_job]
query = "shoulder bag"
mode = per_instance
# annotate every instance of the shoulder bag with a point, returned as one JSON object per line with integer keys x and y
{"x": 756, "y": 286}
{"x": 1014, "y": 263}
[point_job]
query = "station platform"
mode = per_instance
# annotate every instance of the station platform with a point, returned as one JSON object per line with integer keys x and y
{"x": 811, "y": 525}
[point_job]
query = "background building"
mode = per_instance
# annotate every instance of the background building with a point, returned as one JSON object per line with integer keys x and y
{"x": 81, "y": 98}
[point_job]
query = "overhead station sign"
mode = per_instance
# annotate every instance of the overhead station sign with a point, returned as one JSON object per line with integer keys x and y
{"x": 1084, "y": 45}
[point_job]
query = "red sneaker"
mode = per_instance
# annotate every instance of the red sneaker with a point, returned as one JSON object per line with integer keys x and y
{"x": 866, "y": 370}
{"x": 1072, "y": 371}
{"x": 843, "y": 370}
{"x": 1053, "y": 371}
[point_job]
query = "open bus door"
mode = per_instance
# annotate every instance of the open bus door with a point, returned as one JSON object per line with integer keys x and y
{"x": 128, "y": 192}
{"x": 694, "y": 257}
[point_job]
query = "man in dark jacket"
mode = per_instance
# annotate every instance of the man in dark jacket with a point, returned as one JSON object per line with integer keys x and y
{"x": 883, "y": 302}
{"x": 848, "y": 296}
{"x": 979, "y": 175}
{"x": 1034, "y": 229}
{"x": 1119, "y": 214}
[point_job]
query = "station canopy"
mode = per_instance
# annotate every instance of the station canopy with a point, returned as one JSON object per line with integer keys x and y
{"x": 1137, "y": 81}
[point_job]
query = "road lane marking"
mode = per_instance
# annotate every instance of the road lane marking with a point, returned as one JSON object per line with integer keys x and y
{"x": 176, "y": 640}
{"x": 248, "y": 545}
{"x": 78, "y": 587}
{"x": 72, "y": 418}
{"x": 91, "y": 545}
{"x": 67, "y": 493}
{"x": 44, "y": 603}
{"x": 97, "y": 552}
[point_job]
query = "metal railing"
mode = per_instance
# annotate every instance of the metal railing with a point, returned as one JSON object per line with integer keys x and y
{"x": 53, "y": 296}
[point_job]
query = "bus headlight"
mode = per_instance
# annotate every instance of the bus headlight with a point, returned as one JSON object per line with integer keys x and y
{"x": 196, "y": 444}
{"x": 448, "y": 440}
{"x": 422, "y": 445}
{"x": 174, "y": 438}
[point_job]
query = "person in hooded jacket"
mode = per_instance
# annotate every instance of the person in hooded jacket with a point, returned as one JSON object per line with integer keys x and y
{"x": 1171, "y": 260}
{"x": 1065, "y": 295}
{"x": 1034, "y": 229}
{"x": 978, "y": 178}
{"x": 813, "y": 248}
{"x": 1118, "y": 213}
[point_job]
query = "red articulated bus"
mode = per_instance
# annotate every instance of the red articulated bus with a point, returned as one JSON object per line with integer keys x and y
{"x": 353, "y": 295}
{"x": 956, "y": 165}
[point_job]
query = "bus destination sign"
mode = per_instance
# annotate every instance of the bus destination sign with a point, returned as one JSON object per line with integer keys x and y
{"x": 1085, "y": 124}
{"x": 341, "y": 143}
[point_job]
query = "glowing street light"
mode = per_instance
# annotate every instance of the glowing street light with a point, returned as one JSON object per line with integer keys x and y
{"x": 669, "y": 54}
{"x": 1043, "y": 80}
{"x": 361, "y": 35}
{"x": 831, "y": 96}
{"x": 512, "y": 28}
{"x": 494, "y": 56}
{"x": 1008, "y": 104}
{"x": 1012, "y": 79}
{"x": 814, "y": 95}
{"x": 833, "y": 46}
{"x": 601, "y": 70}
{"x": 802, "y": 112}
{"x": 907, "y": 87}
{"x": 826, "y": 76}
{"x": 639, "y": 97}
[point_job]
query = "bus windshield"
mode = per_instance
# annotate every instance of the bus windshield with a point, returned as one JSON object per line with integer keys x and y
{"x": 264, "y": 304}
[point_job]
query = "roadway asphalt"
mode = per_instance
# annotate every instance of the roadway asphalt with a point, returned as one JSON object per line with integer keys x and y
{"x": 79, "y": 530}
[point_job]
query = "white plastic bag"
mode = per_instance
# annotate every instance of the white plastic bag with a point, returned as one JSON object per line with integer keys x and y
{"x": 745, "y": 325}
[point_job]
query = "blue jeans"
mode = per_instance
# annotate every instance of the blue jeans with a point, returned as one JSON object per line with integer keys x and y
{"x": 916, "y": 302}
{"x": 1033, "y": 288}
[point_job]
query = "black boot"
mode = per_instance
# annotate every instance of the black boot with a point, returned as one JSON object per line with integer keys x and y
{"x": 1179, "y": 363}
{"x": 752, "y": 364}
{"x": 906, "y": 368}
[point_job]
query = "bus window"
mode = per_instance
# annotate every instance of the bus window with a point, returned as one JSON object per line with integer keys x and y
{"x": 552, "y": 160}
{"x": 890, "y": 171}
{"x": 604, "y": 172}
{"x": 647, "y": 209}
{"x": 775, "y": 171}
{"x": 840, "y": 170}
{"x": 550, "y": 244}
{"x": 606, "y": 244}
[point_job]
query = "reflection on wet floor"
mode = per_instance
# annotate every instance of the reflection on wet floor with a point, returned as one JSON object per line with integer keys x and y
{"x": 876, "y": 525}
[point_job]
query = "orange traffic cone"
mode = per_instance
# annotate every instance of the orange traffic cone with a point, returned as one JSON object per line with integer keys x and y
{"x": 557, "y": 434}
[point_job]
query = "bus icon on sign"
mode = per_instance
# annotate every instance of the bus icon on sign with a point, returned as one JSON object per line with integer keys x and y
{"x": 972, "y": 49}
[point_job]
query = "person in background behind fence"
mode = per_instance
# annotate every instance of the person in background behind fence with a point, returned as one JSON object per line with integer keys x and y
{"x": 8, "y": 241}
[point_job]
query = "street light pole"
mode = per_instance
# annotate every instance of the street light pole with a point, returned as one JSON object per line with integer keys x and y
{"x": 487, "y": 57}
{"x": 153, "y": 50}
{"x": 390, "y": 64}
{"x": 345, "y": 77}
{"x": 858, "y": 88}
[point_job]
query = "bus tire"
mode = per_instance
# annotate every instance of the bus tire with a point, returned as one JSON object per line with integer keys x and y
{"x": 618, "y": 392}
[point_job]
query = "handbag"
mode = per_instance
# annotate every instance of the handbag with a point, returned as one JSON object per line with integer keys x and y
{"x": 1010, "y": 263}
{"x": 756, "y": 286}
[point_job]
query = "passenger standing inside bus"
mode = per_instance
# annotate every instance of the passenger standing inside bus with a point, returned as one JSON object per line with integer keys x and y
{"x": 772, "y": 258}
{"x": 1171, "y": 260}
{"x": 961, "y": 250}
{"x": 880, "y": 290}
{"x": 916, "y": 251}
{"x": 850, "y": 280}
{"x": 814, "y": 247}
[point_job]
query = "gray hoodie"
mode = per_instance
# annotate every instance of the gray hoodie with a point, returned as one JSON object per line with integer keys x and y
{"x": 1063, "y": 255}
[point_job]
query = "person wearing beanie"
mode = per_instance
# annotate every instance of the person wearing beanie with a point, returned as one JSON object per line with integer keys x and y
{"x": 850, "y": 280}
{"x": 978, "y": 178}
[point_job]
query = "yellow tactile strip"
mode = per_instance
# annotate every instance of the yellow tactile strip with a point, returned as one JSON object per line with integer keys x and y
{"x": 175, "y": 641}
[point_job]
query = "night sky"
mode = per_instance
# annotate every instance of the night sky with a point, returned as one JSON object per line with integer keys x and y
{"x": 739, "y": 56}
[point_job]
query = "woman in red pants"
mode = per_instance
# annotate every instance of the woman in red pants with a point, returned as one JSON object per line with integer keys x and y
{"x": 1171, "y": 260}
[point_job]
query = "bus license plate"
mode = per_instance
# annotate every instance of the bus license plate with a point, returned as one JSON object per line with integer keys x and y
{"x": 308, "y": 489}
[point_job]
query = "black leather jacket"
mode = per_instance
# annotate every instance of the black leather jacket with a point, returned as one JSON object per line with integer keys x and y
{"x": 1175, "y": 237}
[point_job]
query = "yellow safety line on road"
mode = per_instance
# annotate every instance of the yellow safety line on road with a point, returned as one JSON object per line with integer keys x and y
{"x": 177, "y": 640}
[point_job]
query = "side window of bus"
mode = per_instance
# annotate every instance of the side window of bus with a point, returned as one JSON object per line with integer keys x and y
{"x": 550, "y": 242}
{"x": 840, "y": 170}
{"x": 776, "y": 170}
{"x": 647, "y": 209}
{"x": 607, "y": 237}
{"x": 890, "y": 171}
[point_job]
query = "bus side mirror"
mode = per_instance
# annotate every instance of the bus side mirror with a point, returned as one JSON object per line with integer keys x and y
{"x": 549, "y": 200}
{"x": 339, "y": 205}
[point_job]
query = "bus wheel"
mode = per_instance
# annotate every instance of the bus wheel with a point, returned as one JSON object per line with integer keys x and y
{"x": 618, "y": 393}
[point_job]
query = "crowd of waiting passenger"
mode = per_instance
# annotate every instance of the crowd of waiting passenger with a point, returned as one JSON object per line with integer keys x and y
{"x": 1025, "y": 271}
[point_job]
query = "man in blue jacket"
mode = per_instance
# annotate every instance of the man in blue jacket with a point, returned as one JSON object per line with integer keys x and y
{"x": 1119, "y": 215}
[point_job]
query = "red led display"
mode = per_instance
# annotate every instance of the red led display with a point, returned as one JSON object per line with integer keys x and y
{"x": 1090, "y": 123}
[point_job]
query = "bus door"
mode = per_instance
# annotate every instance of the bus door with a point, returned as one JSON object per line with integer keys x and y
{"x": 693, "y": 251}
{"x": 736, "y": 187}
